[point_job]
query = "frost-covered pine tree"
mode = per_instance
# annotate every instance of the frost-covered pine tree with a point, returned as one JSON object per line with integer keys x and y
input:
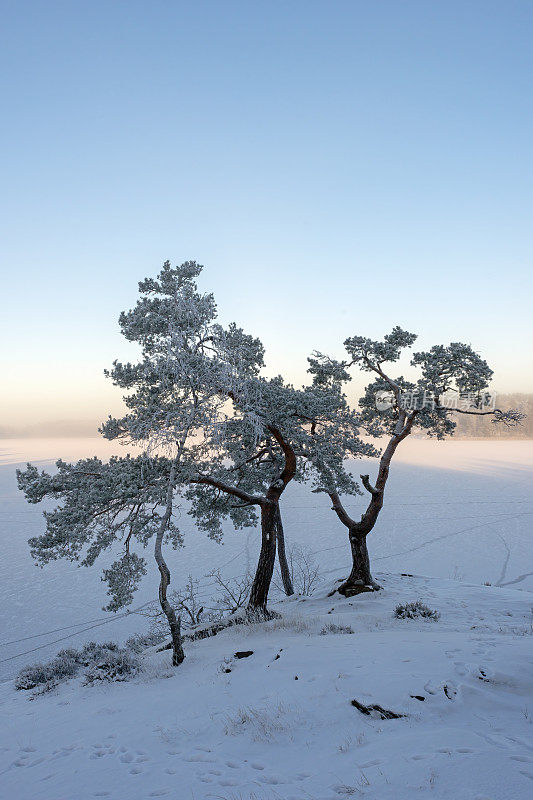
{"x": 211, "y": 429}
{"x": 174, "y": 401}
{"x": 452, "y": 380}
{"x": 120, "y": 504}
{"x": 275, "y": 434}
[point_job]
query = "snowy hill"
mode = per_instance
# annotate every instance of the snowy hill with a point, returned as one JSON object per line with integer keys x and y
{"x": 280, "y": 723}
{"x": 453, "y": 509}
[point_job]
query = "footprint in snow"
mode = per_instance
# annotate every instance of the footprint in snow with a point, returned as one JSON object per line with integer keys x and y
{"x": 255, "y": 765}
{"x": 159, "y": 792}
{"x": 62, "y": 753}
{"x": 273, "y": 780}
{"x": 100, "y": 750}
{"x": 232, "y": 764}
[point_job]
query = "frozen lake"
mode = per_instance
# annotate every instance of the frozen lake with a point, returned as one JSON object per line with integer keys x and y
{"x": 460, "y": 510}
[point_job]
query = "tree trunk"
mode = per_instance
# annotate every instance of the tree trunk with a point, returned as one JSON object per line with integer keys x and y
{"x": 282, "y": 557}
{"x": 360, "y": 578}
{"x": 265, "y": 567}
{"x": 174, "y": 623}
{"x": 270, "y": 522}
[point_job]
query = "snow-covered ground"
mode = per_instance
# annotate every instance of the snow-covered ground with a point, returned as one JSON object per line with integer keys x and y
{"x": 457, "y": 514}
{"x": 280, "y": 724}
{"x": 455, "y": 509}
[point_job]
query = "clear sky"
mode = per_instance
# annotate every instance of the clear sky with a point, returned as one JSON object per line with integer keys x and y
{"x": 338, "y": 167}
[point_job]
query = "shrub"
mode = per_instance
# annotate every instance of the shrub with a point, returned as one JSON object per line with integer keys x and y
{"x": 94, "y": 651}
{"x": 332, "y": 628}
{"x": 115, "y": 665}
{"x": 63, "y": 666}
{"x": 414, "y": 610}
{"x": 263, "y": 724}
{"x": 105, "y": 661}
{"x": 303, "y": 570}
{"x": 140, "y": 641}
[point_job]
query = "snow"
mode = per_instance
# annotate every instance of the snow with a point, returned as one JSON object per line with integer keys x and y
{"x": 200, "y": 731}
{"x": 453, "y": 509}
{"x": 459, "y": 512}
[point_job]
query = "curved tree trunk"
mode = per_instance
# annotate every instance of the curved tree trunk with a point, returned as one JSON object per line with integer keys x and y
{"x": 270, "y": 520}
{"x": 282, "y": 557}
{"x": 174, "y": 623}
{"x": 257, "y": 605}
{"x": 360, "y": 578}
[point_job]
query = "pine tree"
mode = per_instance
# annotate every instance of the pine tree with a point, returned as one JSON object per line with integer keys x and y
{"x": 453, "y": 380}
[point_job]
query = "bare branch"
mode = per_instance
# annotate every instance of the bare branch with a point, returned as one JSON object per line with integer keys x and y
{"x": 365, "y": 480}
{"x": 250, "y": 499}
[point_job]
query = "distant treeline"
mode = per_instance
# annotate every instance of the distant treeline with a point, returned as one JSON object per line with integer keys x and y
{"x": 482, "y": 428}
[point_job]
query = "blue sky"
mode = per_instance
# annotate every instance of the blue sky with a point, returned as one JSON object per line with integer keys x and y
{"x": 338, "y": 167}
